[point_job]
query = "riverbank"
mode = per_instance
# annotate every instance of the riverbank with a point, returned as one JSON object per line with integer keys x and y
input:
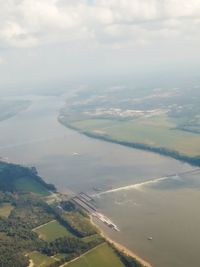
{"x": 119, "y": 246}
{"x": 194, "y": 161}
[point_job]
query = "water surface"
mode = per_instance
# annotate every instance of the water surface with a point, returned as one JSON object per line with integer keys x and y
{"x": 166, "y": 209}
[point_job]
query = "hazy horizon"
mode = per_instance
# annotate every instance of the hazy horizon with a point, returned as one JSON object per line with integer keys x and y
{"x": 55, "y": 44}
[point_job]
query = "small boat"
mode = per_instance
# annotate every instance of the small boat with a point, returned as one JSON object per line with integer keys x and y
{"x": 150, "y": 238}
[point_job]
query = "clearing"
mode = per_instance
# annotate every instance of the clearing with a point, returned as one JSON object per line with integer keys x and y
{"x": 52, "y": 230}
{"x": 40, "y": 260}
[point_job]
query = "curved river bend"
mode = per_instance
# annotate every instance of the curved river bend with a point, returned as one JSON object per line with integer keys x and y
{"x": 138, "y": 196}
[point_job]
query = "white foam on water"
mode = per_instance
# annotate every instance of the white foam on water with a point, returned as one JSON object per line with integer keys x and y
{"x": 139, "y": 186}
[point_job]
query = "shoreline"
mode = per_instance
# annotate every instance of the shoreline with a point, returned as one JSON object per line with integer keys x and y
{"x": 119, "y": 246}
{"x": 162, "y": 151}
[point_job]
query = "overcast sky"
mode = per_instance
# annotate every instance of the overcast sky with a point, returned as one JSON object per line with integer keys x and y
{"x": 58, "y": 40}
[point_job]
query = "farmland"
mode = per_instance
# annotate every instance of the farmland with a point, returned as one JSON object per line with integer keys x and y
{"x": 150, "y": 132}
{"x": 52, "y": 230}
{"x": 102, "y": 256}
{"x": 27, "y": 185}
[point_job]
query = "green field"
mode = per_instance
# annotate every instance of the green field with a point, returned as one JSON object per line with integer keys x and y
{"x": 30, "y": 185}
{"x": 5, "y": 209}
{"x": 102, "y": 256}
{"x": 51, "y": 231}
{"x": 159, "y": 131}
{"x": 40, "y": 260}
{"x": 91, "y": 238}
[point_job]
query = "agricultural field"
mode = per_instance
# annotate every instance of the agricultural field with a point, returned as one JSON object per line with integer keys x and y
{"x": 52, "y": 230}
{"x": 40, "y": 260}
{"x": 91, "y": 238}
{"x": 102, "y": 256}
{"x": 153, "y": 132}
{"x": 5, "y": 209}
{"x": 28, "y": 185}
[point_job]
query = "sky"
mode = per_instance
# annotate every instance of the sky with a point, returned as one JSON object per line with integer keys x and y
{"x": 45, "y": 42}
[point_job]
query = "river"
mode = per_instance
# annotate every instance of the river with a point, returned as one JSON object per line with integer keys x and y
{"x": 143, "y": 205}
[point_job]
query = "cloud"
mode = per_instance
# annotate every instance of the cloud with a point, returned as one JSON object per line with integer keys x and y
{"x": 27, "y": 23}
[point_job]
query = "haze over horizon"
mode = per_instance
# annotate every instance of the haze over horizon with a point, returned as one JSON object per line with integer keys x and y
{"x": 44, "y": 42}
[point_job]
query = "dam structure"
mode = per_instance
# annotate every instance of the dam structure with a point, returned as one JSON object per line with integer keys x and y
{"x": 85, "y": 202}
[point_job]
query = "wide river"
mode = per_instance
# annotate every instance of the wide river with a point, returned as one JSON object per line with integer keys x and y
{"x": 143, "y": 205}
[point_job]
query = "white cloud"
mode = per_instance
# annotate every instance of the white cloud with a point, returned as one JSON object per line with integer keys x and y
{"x": 25, "y": 23}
